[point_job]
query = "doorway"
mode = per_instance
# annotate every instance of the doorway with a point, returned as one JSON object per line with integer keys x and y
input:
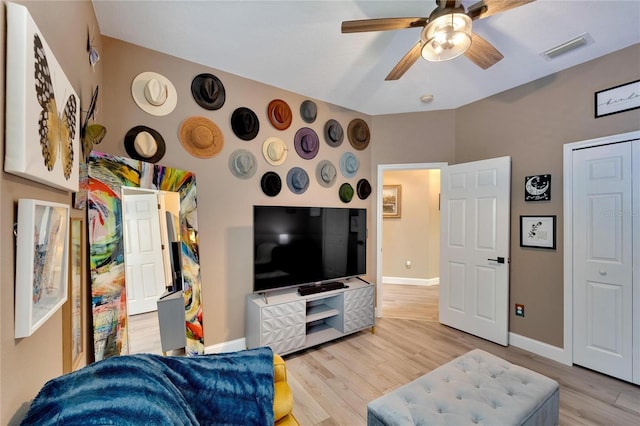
{"x": 408, "y": 241}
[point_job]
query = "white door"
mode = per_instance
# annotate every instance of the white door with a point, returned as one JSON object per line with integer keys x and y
{"x": 602, "y": 259}
{"x": 143, "y": 253}
{"x": 474, "y": 248}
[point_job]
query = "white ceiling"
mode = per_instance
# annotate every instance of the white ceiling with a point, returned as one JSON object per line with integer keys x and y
{"x": 298, "y": 46}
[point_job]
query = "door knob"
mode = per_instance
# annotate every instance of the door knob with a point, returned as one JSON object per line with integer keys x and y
{"x": 499, "y": 260}
{"x": 602, "y": 272}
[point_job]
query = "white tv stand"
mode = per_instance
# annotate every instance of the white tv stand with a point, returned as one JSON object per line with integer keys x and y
{"x": 289, "y": 322}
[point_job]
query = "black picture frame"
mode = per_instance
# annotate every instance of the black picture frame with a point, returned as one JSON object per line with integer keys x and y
{"x": 538, "y": 231}
{"x": 621, "y": 98}
{"x": 537, "y": 188}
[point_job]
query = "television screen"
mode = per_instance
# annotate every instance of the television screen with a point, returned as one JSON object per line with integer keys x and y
{"x": 294, "y": 246}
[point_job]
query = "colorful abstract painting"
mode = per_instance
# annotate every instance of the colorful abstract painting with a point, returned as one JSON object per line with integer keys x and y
{"x": 107, "y": 175}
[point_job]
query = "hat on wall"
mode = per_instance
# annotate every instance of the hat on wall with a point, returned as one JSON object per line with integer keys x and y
{"x": 306, "y": 143}
{"x": 154, "y": 93}
{"x": 245, "y": 123}
{"x": 274, "y": 151}
{"x": 358, "y": 133}
{"x": 345, "y": 192}
{"x": 201, "y": 137}
{"x": 308, "y": 111}
{"x": 145, "y": 144}
{"x": 242, "y": 163}
{"x": 326, "y": 173}
{"x": 279, "y": 114}
{"x": 271, "y": 184}
{"x": 349, "y": 164}
{"x": 208, "y": 91}
{"x": 297, "y": 180}
{"x": 363, "y": 189}
{"x": 333, "y": 133}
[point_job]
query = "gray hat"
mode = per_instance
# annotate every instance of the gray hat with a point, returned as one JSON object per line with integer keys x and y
{"x": 349, "y": 164}
{"x": 242, "y": 164}
{"x": 333, "y": 133}
{"x": 308, "y": 111}
{"x": 297, "y": 180}
{"x": 326, "y": 173}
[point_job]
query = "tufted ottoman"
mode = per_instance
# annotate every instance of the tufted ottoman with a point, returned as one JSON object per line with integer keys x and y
{"x": 475, "y": 388}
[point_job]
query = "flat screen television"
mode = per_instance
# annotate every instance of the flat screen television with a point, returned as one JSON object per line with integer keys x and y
{"x": 296, "y": 246}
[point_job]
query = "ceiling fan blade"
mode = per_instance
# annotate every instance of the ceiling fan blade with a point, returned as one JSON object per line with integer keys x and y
{"x": 487, "y": 8}
{"x": 405, "y": 63}
{"x": 482, "y": 53}
{"x": 382, "y": 24}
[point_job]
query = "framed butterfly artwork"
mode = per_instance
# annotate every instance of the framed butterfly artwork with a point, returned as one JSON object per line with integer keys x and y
{"x": 43, "y": 110}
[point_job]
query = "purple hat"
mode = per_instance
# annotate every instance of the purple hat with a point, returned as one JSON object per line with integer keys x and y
{"x": 306, "y": 143}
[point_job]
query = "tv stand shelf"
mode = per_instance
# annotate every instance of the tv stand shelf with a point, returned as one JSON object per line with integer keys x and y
{"x": 289, "y": 322}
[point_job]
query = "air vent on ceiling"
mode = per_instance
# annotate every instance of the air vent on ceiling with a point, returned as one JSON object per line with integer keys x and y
{"x": 581, "y": 40}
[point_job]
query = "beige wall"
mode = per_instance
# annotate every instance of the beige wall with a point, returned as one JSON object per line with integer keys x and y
{"x": 26, "y": 364}
{"x": 531, "y": 123}
{"x": 415, "y": 236}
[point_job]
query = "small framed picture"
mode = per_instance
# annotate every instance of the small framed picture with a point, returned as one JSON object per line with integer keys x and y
{"x": 391, "y": 197}
{"x": 624, "y": 97}
{"x": 538, "y": 231}
{"x": 537, "y": 188}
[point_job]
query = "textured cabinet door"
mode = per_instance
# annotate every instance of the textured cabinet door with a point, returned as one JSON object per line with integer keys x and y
{"x": 358, "y": 309}
{"x": 283, "y": 326}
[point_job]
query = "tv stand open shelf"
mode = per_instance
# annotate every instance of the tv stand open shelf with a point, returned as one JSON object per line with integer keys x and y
{"x": 289, "y": 322}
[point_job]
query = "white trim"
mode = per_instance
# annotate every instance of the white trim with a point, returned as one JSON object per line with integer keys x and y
{"x": 567, "y": 162}
{"x": 381, "y": 169}
{"x": 539, "y": 348}
{"x": 411, "y": 281}
{"x": 230, "y": 346}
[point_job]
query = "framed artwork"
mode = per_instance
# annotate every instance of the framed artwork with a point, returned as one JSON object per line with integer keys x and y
{"x": 42, "y": 131}
{"x": 624, "y": 97}
{"x": 391, "y": 199}
{"x": 537, "y": 188}
{"x": 538, "y": 231}
{"x": 73, "y": 309}
{"x": 41, "y": 263}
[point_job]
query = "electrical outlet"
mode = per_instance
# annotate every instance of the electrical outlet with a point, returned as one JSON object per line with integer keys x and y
{"x": 519, "y": 310}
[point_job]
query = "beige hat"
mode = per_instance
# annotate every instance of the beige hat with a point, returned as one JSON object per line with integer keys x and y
{"x": 201, "y": 137}
{"x": 326, "y": 173}
{"x": 154, "y": 93}
{"x": 274, "y": 151}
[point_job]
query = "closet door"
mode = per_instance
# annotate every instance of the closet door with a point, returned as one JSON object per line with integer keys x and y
{"x": 603, "y": 259}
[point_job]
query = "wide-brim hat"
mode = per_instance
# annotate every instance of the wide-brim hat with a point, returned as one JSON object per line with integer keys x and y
{"x": 243, "y": 164}
{"x": 154, "y": 93}
{"x": 345, "y": 192}
{"x": 306, "y": 143}
{"x": 358, "y": 133}
{"x": 297, "y": 180}
{"x": 208, "y": 91}
{"x": 326, "y": 173}
{"x": 145, "y": 144}
{"x": 363, "y": 188}
{"x": 271, "y": 184}
{"x": 349, "y": 164}
{"x": 201, "y": 137}
{"x": 279, "y": 114}
{"x": 245, "y": 123}
{"x": 333, "y": 133}
{"x": 308, "y": 111}
{"x": 274, "y": 150}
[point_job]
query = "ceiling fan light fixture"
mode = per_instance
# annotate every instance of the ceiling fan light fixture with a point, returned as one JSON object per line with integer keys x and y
{"x": 446, "y": 37}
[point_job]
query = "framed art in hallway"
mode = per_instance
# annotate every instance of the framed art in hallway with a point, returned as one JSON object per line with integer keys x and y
{"x": 624, "y": 97}
{"x": 538, "y": 231}
{"x": 73, "y": 309}
{"x": 391, "y": 199}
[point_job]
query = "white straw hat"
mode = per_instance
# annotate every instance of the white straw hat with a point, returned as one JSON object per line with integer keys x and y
{"x": 154, "y": 93}
{"x": 274, "y": 151}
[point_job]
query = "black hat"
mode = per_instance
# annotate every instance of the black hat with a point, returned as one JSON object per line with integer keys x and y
{"x": 363, "y": 189}
{"x": 145, "y": 144}
{"x": 208, "y": 91}
{"x": 245, "y": 123}
{"x": 271, "y": 184}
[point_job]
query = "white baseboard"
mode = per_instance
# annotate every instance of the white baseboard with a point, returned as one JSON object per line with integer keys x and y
{"x": 539, "y": 348}
{"x": 230, "y": 346}
{"x": 411, "y": 281}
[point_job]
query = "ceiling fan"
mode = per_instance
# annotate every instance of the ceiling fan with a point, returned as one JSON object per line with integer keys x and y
{"x": 446, "y": 33}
